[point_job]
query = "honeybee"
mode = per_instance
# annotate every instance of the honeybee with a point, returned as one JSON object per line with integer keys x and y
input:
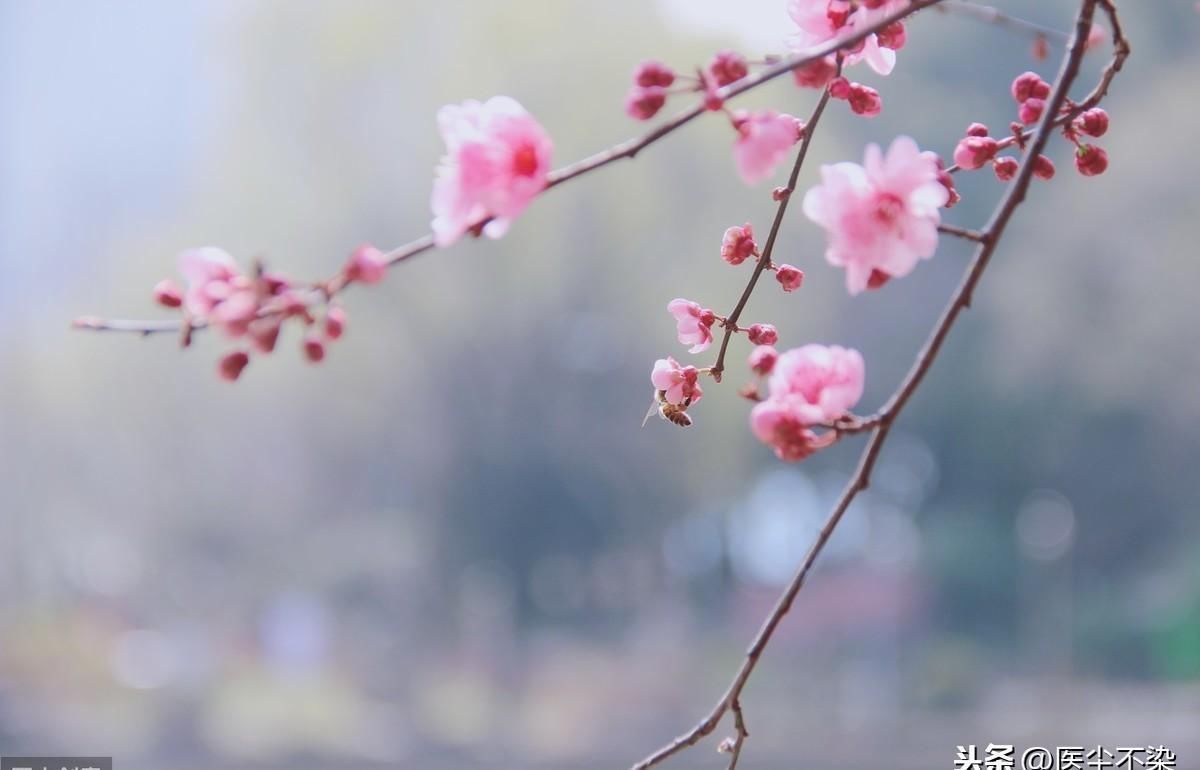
{"x": 673, "y": 413}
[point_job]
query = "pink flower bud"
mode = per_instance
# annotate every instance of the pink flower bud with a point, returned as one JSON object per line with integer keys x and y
{"x": 892, "y": 36}
{"x": 973, "y": 152}
{"x": 738, "y": 244}
{"x": 1005, "y": 168}
{"x": 839, "y": 88}
{"x": 230, "y": 367}
{"x": 335, "y": 322}
{"x": 763, "y": 334}
{"x": 1029, "y": 85}
{"x": 762, "y": 359}
{"x": 1093, "y": 122}
{"x": 789, "y": 277}
{"x": 815, "y": 74}
{"x": 977, "y": 129}
{"x": 1091, "y": 160}
{"x": 727, "y": 67}
{"x": 367, "y": 264}
{"x": 653, "y": 73}
{"x": 264, "y": 333}
{"x": 877, "y": 279}
{"x": 864, "y": 100}
{"x": 1043, "y": 167}
{"x": 168, "y": 294}
{"x": 314, "y": 348}
{"x": 1031, "y": 109}
{"x": 1095, "y": 37}
{"x": 644, "y": 102}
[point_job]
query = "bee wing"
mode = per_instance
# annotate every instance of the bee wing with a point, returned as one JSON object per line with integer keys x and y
{"x": 650, "y": 412}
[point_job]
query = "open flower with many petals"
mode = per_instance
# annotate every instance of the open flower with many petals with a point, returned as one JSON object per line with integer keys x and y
{"x": 497, "y": 159}
{"x": 693, "y": 323}
{"x": 764, "y": 139}
{"x": 680, "y": 384}
{"x": 808, "y": 386}
{"x": 820, "y": 21}
{"x": 881, "y": 218}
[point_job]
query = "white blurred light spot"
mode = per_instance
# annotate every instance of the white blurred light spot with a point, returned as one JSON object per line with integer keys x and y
{"x": 1045, "y": 526}
{"x": 143, "y": 660}
{"x": 760, "y": 25}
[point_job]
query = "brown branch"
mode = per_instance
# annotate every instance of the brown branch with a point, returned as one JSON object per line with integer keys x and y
{"x": 990, "y": 15}
{"x": 881, "y": 424}
{"x": 627, "y": 149}
{"x": 961, "y": 232}
{"x": 764, "y": 258}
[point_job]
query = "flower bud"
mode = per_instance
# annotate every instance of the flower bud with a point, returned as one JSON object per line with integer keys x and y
{"x": 892, "y": 36}
{"x": 789, "y": 277}
{"x": 1093, "y": 122}
{"x": 335, "y": 322}
{"x": 763, "y": 334}
{"x": 168, "y": 294}
{"x": 864, "y": 100}
{"x": 815, "y": 74}
{"x": 1029, "y": 85}
{"x": 977, "y": 129}
{"x": 644, "y": 102}
{"x": 314, "y": 348}
{"x": 973, "y": 152}
{"x": 367, "y": 264}
{"x": 727, "y": 67}
{"x": 738, "y": 244}
{"x": 1030, "y": 110}
{"x": 230, "y": 367}
{"x": 762, "y": 359}
{"x": 653, "y": 73}
{"x": 839, "y": 88}
{"x": 1043, "y": 167}
{"x": 1005, "y": 168}
{"x": 1091, "y": 160}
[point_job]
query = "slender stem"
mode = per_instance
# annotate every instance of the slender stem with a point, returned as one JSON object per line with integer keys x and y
{"x": 990, "y": 15}
{"x": 764, "y": 258}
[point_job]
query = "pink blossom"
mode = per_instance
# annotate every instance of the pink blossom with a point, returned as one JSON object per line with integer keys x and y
{"x": 366, "y": 264}
{"x": 168, "y": 294}
{"x": 680, "y": 384}
{"x": 789, "y": 277}
{"x": 815, "y": 74}
{"x": 1091, "y": 160}
{"x": 737, "y": 245}
{"x": 1029, "y": 85}
{"x": 644, "y": 102}
{"x": 209, "y": 272}
{"x": 1030, "y": 110}
{"x": 822, "y": 383}
{"x": 864, "y": 100}
{"x": 764, "y": 139}
{"x": 727, "y": 67}
{"x": 653, "y": 73}
{"x": 762, "y": 334}
{"x": 974, "y": 151}
{"x": 497, "y": 159}
{"x": 693, "y": 324}
{"x": 762, "y": 359}
{"x": 819, "y": 21}
{"x": 230, "y": 367}
{"x": 1093, "y": 122}
{"x": 882, "y": 215}
{"x": 775, "y": 423}
{"x": 1005, "y": 168}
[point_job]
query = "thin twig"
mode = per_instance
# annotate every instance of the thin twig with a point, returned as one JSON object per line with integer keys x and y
{"x": 764, "y": 258}
{"x": 961, "y": 232}
{"x": 627, "y": 149}
{"x": 990, "y": 15}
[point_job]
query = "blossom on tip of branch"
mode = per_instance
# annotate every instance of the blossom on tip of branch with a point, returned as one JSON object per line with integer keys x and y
{"x": 762, "y": 334}
{"x": 737, "y": 245}
{"x": 496, "y": 162}
{"x": 820, "y": 21}
{"x": 763, "y": 141}
{"x": 1091, "y": 160}
{"x": 973, "y": 151}
{"x": 366, "y": 264}
{"x": 680, "y": 384}
{"x": 693, "y": 323}
{"x": 789, "y": 277}
{"x": 882, "y": 215}
{"x": 809, "y": 385}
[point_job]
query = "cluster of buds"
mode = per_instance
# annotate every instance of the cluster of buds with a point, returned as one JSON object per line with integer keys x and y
{"x": 1030, "y": 91}
{"x": 863, "y": 100}
{"x": 252, "y": 308}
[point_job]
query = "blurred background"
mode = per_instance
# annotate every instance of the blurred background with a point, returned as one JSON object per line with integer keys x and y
{"x": 450, "y": 545}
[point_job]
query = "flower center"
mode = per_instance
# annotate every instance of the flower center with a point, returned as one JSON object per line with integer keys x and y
{"x": 888, "y": 208}
{"x": 525, "y": 160}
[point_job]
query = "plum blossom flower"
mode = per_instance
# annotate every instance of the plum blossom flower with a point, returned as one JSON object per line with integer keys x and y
{"x": 210, "y": 273}
{"x": 693, "y": 323}
{"x": 764, "y": 139}
{"x": 881, "y": 216}
{"x": 497, "y": 159}
{"x": 680, "y": 384}
{"x": 808, "y": 386}
{"x": 819, "y": 21}
{"x": 737, "y": 244}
